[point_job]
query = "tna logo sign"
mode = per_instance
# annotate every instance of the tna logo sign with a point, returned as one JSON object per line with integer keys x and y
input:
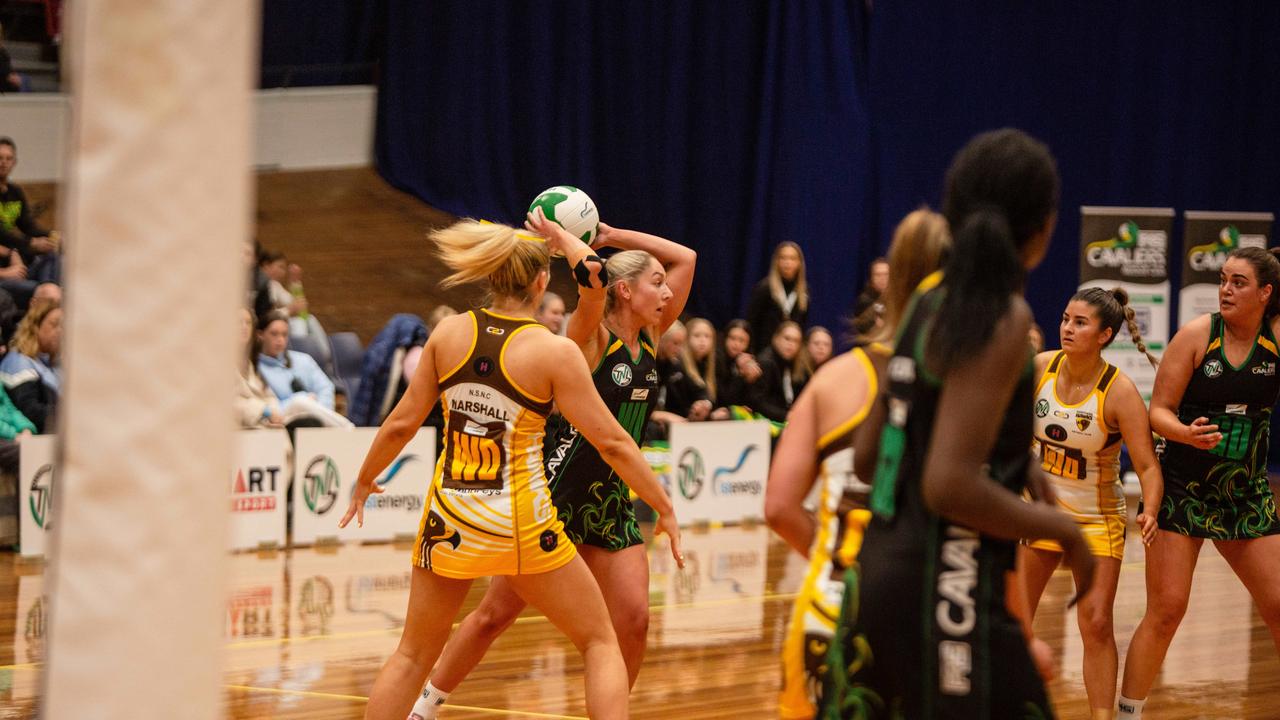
{"x": 691, "y": 475}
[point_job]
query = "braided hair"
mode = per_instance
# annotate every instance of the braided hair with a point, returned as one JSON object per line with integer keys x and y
{"x": 1114, "y": 310}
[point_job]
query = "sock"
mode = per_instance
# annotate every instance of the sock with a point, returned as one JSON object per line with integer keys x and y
{"x": 1130, "y": 709}
{"x": 429, "y": 704}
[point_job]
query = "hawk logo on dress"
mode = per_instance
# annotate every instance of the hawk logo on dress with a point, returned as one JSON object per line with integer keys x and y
{"x": 1082, "y": 420}
{"x": 548, "y": 541}
{"x": 434, "y": 533}
{"x": 1042, "y": 408}
{"x": 1212, "y": 368}
{"x": 622, "y": 374}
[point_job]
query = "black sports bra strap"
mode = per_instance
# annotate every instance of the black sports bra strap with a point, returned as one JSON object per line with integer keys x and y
{"x": 1057, "y": 361}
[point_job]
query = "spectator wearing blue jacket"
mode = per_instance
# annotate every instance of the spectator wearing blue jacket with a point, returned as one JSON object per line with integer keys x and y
{"x": 29, "y": 371}
{"x": 289, "y": 373}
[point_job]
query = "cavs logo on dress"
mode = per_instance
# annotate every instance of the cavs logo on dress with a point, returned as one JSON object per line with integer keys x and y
{"x": 436, "y": 532}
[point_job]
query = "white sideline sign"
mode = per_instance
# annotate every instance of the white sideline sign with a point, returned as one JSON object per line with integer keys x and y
{"x": 327, "y": 462}
{"x": 258, "y": 489}
{"x": 719, "y": 470}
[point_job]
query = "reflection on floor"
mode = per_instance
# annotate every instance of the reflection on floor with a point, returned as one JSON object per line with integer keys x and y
{"x": 307, "y": 631}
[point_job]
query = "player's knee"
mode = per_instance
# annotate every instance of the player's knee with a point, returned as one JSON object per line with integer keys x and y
{"x": 1096, "y": 626}
{"x": 633, "y": 624}
{"x": 492, "y": 620}
{"x": 1166, "y": 612}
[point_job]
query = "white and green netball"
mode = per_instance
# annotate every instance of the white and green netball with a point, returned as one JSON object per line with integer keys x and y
{"x": 571, "y": 209}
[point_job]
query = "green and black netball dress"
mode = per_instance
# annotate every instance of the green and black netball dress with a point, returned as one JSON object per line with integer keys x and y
{"x": 594, "y": 503}
{"x": 932, "y": 637}
{"x": 1223, "y": 493}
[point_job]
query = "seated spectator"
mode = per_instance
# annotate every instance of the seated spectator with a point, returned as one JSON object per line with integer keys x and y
{"x": 292, "y": 302}
{"x": 303, "y": 388}
{"x": 783, "y": 294}
{"x": 780, "y": 377}
{"x": 817, "y": 349}
{"x": 680, "y": 396}
{"x": 868, "y": 310}
{"x": 551, "y": 312}
{"x": 28, "y": 371}
{"x": 36, "y": 248}
{"x": 257, "y": 403}
{"x": 10, "y": 80}
{"x": 736, "y": 369}
{"x": 699, "y": 356}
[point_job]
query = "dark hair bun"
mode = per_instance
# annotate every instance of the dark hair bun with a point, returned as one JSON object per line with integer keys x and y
{"x": 1275, "y": 252}
{"x": 1121, "y": 295}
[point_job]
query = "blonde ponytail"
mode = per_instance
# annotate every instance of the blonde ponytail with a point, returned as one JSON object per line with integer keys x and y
{"x": 494, "y": 252}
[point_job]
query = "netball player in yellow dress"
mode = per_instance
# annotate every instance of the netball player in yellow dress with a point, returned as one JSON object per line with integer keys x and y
{"x": 1083, "y": 408}
{"x": 488, "y": 511}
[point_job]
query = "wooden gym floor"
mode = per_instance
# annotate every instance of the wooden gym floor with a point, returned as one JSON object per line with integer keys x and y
{"x": 307, "y": 629}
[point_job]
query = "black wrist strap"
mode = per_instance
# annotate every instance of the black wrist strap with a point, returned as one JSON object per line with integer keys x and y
{"x": 582, "y": 273}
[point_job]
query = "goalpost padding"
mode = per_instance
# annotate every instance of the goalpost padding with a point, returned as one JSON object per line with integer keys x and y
{"x": 156, "y": 215}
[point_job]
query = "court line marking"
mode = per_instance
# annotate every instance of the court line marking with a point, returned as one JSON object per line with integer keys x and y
{"x": 269, "y": 642}
{"x": 358, "y": 698}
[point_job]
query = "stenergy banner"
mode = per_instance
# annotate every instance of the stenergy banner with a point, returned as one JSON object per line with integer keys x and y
{"x": 1129, "y": 248}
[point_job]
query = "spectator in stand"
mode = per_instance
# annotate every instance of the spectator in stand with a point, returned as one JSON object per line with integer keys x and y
{"x": 817, "y": 349}
{"x": 780, "y": 375}
{"x": 258, "y": 403}
{"x": 289, "y": 373}
{"x": 37, "y": 248}
{"x": 551, "y": 312}
{"x": 736, "y": 369}
{"x": 699, "y": 355}
{"x": 13, "y": 427}
{"x": 258, "y": 297}
{"x": 28, "y": 371}
{"x": 10, "y": 80}
{"x": 294, "y": 304}
{"x": 256, "y": 406}
{"x": 680, "y": 397}
{"x": 782, "y": 295}
{"x": 868, "y": 310}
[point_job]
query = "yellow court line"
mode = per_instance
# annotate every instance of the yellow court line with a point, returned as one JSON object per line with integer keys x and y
{"x": 268, "y": 642}
{"x": 22, "y": 666}
{"x": 358, "y": 698}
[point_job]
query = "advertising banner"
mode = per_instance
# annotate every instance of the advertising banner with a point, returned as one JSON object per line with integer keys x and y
{"x": 719, "y": 470}
{"x": 1207, "y": 239}
{"x": 35, "y": 493}
{"x": 327, "y": 462}
{"x": 1129, "y": 248}
{"x": 258, "y": 489}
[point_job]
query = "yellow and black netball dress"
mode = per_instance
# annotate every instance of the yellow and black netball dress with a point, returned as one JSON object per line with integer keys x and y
{"x": 594, "y": 503}
{"x": 842, "y": 517}
{"x": 1223, "y": 493}
{"x": 1081, "y": 456}
{"x": 489, "y": 511}
{"x": 925, "y": 632}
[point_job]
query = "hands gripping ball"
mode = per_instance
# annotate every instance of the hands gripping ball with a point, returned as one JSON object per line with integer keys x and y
{"x": 571, "y": 209}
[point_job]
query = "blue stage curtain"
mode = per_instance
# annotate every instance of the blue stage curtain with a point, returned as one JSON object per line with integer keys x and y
{"x": 727, "y": 126}
{"x": 1166, "y": 104}
{"x": 730, "y": 126}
